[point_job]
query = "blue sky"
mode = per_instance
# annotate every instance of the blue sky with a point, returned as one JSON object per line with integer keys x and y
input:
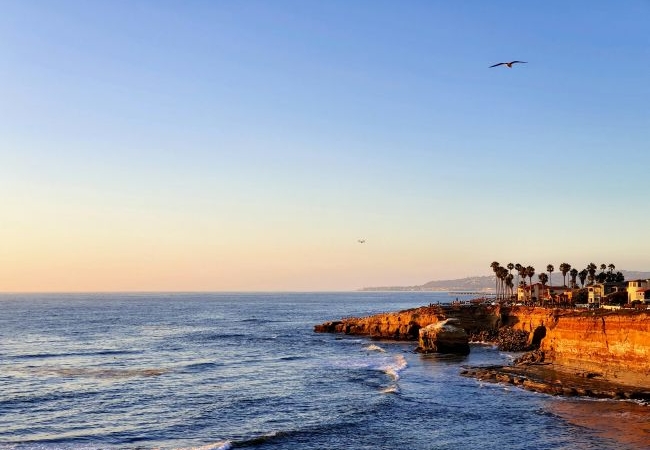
{"x": 248, "y": 145}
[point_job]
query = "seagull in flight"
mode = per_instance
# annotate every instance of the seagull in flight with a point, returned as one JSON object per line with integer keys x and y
{"x": 361, "y": 241}
{"x": 509, "y": 64}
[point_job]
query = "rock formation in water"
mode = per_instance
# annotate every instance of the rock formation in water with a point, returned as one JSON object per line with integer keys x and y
{"x": 443, "y": 337}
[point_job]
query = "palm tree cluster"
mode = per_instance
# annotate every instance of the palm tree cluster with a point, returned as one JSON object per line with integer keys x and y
{"x": 504, "y": 286}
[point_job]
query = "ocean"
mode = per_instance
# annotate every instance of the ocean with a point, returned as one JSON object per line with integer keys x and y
{"x": 246, "y": 370}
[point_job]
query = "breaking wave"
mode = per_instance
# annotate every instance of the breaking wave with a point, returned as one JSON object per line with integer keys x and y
{"x": 393, "y": 389}
{"x": 374, "y": 348}
{"x": 222, "y": 445}
{"x": 395, "y": 367}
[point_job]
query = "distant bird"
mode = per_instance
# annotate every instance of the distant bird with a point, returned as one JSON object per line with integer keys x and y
{"x": 361, "y": 241}
{"x": 509, "y": 64}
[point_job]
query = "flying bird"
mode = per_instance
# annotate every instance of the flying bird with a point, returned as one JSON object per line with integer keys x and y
{"x": 361, "y": 241}
{"x": 509, "y": 64}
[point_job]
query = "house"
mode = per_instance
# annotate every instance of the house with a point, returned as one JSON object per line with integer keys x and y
{"x": 597, "y": 293}
{"x": 543, "y": 294}
{"x": 638, "y": 290}
{"x": 529, "y": 293}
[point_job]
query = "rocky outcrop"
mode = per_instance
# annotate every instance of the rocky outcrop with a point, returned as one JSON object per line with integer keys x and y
{"x": 609, "y": 345}
{"x": 548, "y": 379}
{"x": 406, "y": 324}
{"x": 402, "y": 325}
{"x": 443, "y": 337}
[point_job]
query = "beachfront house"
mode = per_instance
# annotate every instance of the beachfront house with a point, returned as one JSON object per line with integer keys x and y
{"x": 597, "y": 293}
{"x": 529, "y": 293}
{"x": 538, "y": 293}
{"x": 638, "y": 290}
{"x": 559, "y": 294}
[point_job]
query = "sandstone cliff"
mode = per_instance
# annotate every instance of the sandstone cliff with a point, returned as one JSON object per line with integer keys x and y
{"x": 406, "y": 324}
{"x": 610, "y": 345}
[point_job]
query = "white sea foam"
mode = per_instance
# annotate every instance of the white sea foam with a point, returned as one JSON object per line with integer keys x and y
{"x": 393, "y": 389}
{"x": 395, "y": 367}
{"x": 374, "y": 348}
{"x": 222, "y": 445}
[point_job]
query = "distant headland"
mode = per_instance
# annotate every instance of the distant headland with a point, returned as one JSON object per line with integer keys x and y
{"x": 480, "y": 283}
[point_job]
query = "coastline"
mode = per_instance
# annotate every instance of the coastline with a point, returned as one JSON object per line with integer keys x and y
{"x": 573, "y": 353}
{"x": 548, "y": 378}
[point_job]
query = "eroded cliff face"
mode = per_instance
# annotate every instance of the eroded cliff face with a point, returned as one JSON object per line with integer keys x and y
{"x": 402, "y": 325}
{"x": 613, "y": 345}
{"x": 406, "y": 324}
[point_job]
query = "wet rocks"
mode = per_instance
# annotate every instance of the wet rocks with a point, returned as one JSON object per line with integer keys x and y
{"x": 484, "y": 336}
{"x": 511, "y": 340}
{"x": 335, "y": 326}
{"x": 546, "y": 379}
{"x": 534, "y": 357}
{"x": 506, "y": 339}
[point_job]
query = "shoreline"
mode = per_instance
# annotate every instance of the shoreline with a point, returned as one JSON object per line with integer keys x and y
{"x": 572, "y": 353}
{"x": 551, "y": 379}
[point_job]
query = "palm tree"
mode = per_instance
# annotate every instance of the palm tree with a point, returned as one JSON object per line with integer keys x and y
{"x": 502, "y": 274}
{"x": 550, "y": 269}
{"x": 530, "y": 271}
{"x": 543, "y": 278}
{"x": 583, "y": 276}
{"x": 602, "y": 276}
{"x": 518, "y": 268}
{"x": 574, "y": 275}
{"x": 509, "y": 284}
{"x": 591, "y": 270}
{"x": 565, "y": 268}
{"x": 495, "y": 267}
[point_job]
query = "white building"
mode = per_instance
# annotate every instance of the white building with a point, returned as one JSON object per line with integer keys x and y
{"x": 638, "y": 290}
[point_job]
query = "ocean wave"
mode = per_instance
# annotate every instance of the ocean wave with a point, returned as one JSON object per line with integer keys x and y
{"x": 222, "y": 445}
{"x": 374, "y": 348}
{"x": 298, "y": 434}
{"x": 93, "y": 372}
{"x": 258, "y": 320}
{"x": 292, "y": 358}
{"x": 267, "y": 437}
{"x": 199, "y": 366}
{"x": 393, "y": 389}
{"x": 394, "y": 368}
{"x": 70, "y": 354}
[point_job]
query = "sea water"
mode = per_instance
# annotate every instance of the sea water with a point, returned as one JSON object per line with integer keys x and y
{"x": 227, "y": 371}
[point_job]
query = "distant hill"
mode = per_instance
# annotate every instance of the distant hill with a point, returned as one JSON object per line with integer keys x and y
{"x": 485, "y": 283}
{"x": 473, "y": 284}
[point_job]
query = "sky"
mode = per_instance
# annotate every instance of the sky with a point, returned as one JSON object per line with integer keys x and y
{"x": 248, "y": 145}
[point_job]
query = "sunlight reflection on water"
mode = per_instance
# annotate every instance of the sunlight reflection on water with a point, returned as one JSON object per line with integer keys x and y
{"x": 622, "y": 421}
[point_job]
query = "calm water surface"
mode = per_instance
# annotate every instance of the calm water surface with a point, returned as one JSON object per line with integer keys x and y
{"x": 221, "y": 371}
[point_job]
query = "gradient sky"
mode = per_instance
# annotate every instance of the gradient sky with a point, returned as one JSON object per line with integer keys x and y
{"x": 247, "y": 145}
